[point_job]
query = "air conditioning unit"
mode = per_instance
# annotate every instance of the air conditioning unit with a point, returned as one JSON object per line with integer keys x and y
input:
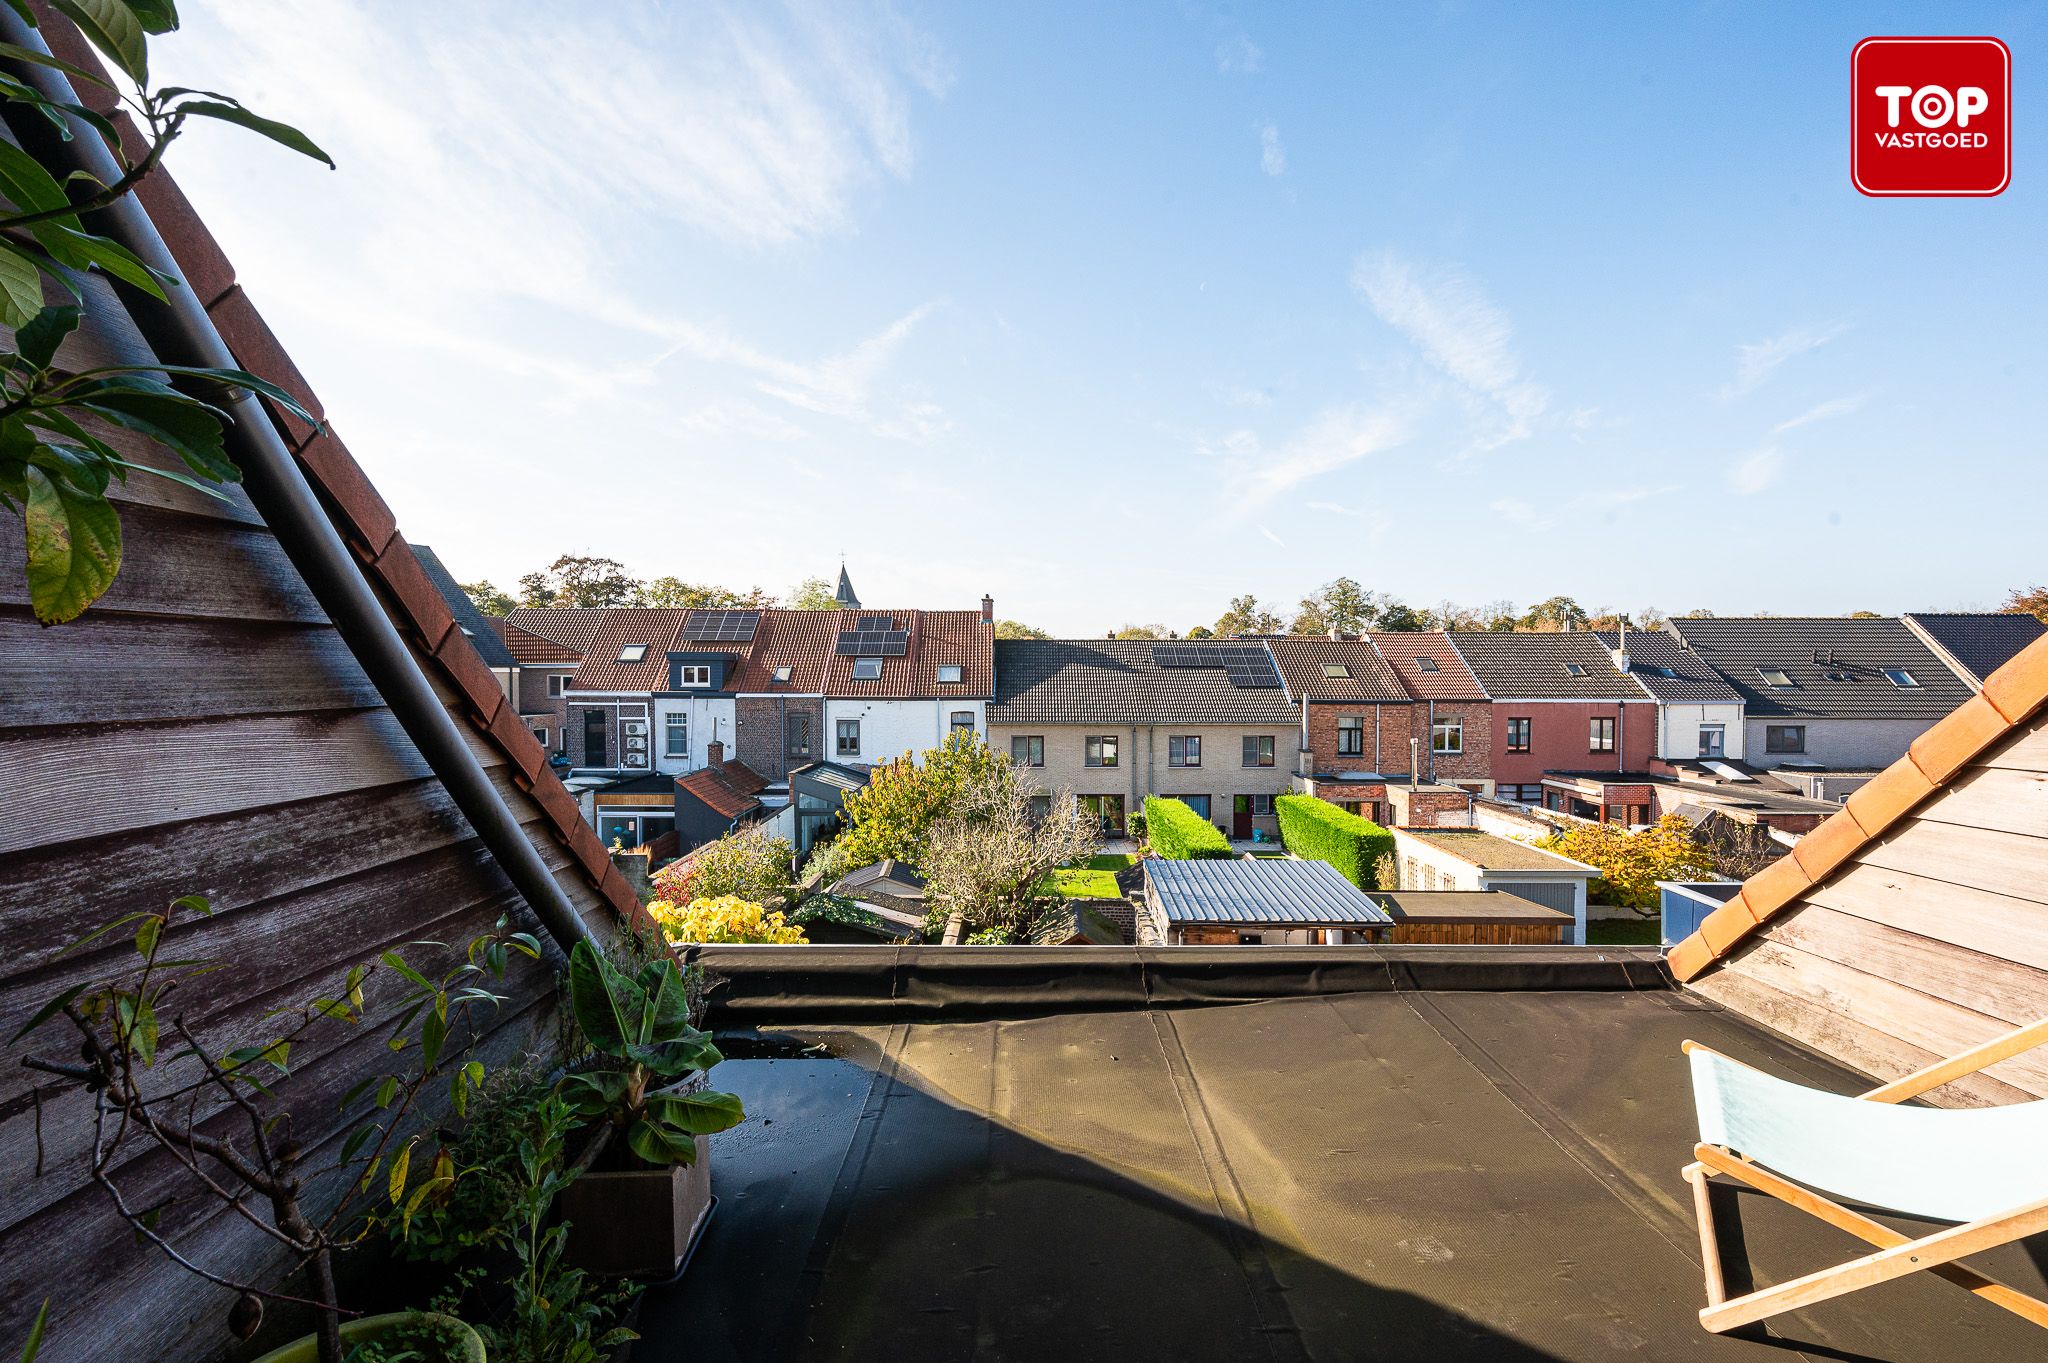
{"x": 636, "y": 728}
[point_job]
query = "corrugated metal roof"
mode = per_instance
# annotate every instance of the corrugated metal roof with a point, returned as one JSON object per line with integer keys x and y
{"x": 1259, "y": 890}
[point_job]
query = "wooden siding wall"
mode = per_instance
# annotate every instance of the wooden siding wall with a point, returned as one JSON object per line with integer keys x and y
{"x": 1480, "y": 934}
{"x": 204, "y": 729}
{"x": 1933, "y": 939}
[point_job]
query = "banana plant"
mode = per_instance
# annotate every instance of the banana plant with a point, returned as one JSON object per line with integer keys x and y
{"x": 642, "y": 1049}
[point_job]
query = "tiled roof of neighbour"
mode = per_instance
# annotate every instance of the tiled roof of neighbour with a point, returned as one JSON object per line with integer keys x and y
{"x": 1695, "y": 681}
{"x": 937, "y": 639}
{"x": 571, "y": 627}
{"x": 1490, "y": 851}
{"x": 532, "y": 648}
{"x": 729, "y": 791}
{"x": 1852, "y": 685}
{"x": 1539, "y": 667}
{"x": 1404, "y": 651}
{"x": 478, "y": 627}
{"x": 1258, "y": 890}
{"x": 357, "y": 510}
{"x": 798, "y": 640}
{"x": 2011, "y": 697}
{"x": 1304, "y": 665}
{"x": 1117, "y": 681}
{"x": 649, "y": 629}
{"x": 1978, "y": 643}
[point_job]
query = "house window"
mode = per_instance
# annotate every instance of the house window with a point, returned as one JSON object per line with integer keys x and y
{"x": 949, "y": 672}
{"x": 1258, "y": 806}
{"x": 1041, "y": 806}
{"x": 849, "y": 737}
{"x": 799, "y": 735}
{"x": 1901, "y": 678}
{"x": 1184, "y": 751}
{"x": 1198, "y": 803}
{"x": 677, "y": 729}
{"x": 541, "y": 734}
{"x": 1027, "y": 750}
{"x": 1108, "y": 810}
{"x": 1350, "y": 735}
{"x": 867, "y": 669}
{"x": 1258, "y": 750}
{"x": 1775, "y": 676}
{"x": 1784, "y": 738}
{"x": 963, "y": 720}
{"x": 558, "y": 682}
{"x": 1518, "y": 735}
{"x": 596, "y": 739}
{"x": 632, "y": 653}
{"x": 1447, "y": 737}
{"x": 1101, "y": 751}
{"x": 1713, "y": 740}
{"x": 693, "y": 674}
{"x": 1601, "y": 737}
{"x": 1336, "y": 671}
{"x": 1426, "y": 665}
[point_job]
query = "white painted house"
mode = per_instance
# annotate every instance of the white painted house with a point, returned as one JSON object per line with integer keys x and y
{"x": 1471, "y": 859}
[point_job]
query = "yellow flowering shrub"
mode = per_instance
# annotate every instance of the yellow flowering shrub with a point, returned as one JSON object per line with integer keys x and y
{"x": 727, "y": 918}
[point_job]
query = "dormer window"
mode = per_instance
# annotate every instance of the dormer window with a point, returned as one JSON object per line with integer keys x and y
{"x": 782, "y": 674}
{"x": 1426, "y": 665}
{"x": 949, "y": 672}
{"x": 693, "y": 674}
{"x": 1901, "y": 678}
{"x": 1775, "y": 676}
{"x": 632, "y": 653}
{"x": 1575, "y": 669}
{"x": 867, "y": 669}
{"x": 1336, "y": 671}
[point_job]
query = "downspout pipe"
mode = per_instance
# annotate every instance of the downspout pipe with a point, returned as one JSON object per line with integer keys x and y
{"x": 180, "y": 332}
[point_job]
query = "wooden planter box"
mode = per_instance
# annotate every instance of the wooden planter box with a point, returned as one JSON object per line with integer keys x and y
{"x": 638, "y": 1223}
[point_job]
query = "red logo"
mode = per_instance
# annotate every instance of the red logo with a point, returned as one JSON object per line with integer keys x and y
{"x": 1930, "y": 117}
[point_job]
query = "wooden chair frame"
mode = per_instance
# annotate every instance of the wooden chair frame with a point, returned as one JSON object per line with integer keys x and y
{"x": 1897, "y": 1255}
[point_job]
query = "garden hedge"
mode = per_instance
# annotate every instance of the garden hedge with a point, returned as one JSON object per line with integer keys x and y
{"x": 1177, "y": 833}
{"x": 1316, "y": 829}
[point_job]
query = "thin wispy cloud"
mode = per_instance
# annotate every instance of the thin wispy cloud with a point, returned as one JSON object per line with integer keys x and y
{"x": 1334, "y": 438}
{"x": 1758, "y": 360}
{"x": 1520, "y": 514}
{"x": 1238, "y": 55}
{"x": 1753, "y": 473}
{"x": 1825, "y": 411}
{"x": 1273, "y": 537}
{"x": 1272, "y": 156}
{"x": 1462, "y": 332}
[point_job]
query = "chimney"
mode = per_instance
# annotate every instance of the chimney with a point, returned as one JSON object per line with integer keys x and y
{"x": 714, "y": 755}
{"x": 1336, "y": 633}
{"x": 988, "y": 608}
{"x": 1621, "y": 648}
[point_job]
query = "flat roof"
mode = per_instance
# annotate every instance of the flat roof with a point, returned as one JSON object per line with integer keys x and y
{"x": 1490, "y": 851}
{"x": 1467, "y": 1177}
{"x": 1465, "y": 906}
{"x": 1259, "y": 890}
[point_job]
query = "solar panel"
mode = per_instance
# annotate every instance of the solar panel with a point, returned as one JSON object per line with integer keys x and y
{"x": 1242, "y": 666}
{"x": 870, "y": 623}
{"x": 724, "y": 627}
{"x": 873, "y": 643}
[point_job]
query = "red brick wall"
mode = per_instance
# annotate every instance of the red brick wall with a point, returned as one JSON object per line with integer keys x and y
{"x": 1559, "y": 733}
{"x": 1394, "y": 723}
{"x": 763, "y": 741}
{"x": 1475, "y": 763}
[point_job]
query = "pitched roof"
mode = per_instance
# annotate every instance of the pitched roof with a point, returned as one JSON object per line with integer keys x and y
{"x": 651, "y": 630}
{"x": 1490, "y": 851}
{"x": 479, "y": 628}
{"x": 2011, "y": 697}
{"x": 937, "y": 639}
{"x": 1653, "y": 653}
{"x": 1118, "y": 681}
{"x": 845, "y": 596}
{"x": 1259, "y": 890}
{"x": 1304, "y": 665}
{"x": 1450, "y": 678}
{"x": 728, "y": 791}
{"x": 798, "y": 640}
{"x": 1975, "y": 644}
{"x": 1539, "y": 667}
{"x": 568, "y": 627}
{"x": 530, "y": 649}
{"x": 1836, "y": 666}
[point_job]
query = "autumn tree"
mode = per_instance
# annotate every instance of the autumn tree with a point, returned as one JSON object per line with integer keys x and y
{"x": 989, "y": 862}
{"x": 1309, "y": 619}
{"x": 748, "y": 864}
{"x": 673, "y": 591}
{"x": 583, "y": 581}
{"x": 1631, "y": 864}
{"x": 1246, "y": 616}
{"x": 1199, "y": 632}
{"x": 1557, "y": 615}
{"x": 487, "y": 598}
{"x": 813, "y": 594}
{"x": 1154, "y": 631}
{"x": 1497, "y": 617}
{"x": 1013, "y": 629}
{"x": 893, "y": 815}
{"x": 1400, "y": 618}
{"x": 2033, "y": 601}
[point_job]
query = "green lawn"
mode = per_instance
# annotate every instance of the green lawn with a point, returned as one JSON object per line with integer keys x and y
{"x": 1111, "y": 861}
{"x": 1624, "y": 932}
{"x": 1087, "y": 882}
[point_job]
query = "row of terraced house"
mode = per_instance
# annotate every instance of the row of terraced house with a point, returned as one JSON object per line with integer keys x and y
{"x": 693, "y": 721}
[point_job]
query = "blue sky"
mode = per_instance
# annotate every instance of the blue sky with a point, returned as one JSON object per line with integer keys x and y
{"x": 1118, "y": 311}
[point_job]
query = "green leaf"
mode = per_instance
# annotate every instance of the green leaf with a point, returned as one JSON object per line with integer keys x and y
{"x": 21, "y": 286}
{"x": 35, "y": 58}
{"x": 387, "y": 1091}
{"x": 74, "y": 548}
{"x": 400, "y": 1166}
{"x": 83, "y": 250}
{"x": 281, "y": 133}
{"x": 194, "y": 903}
{"x": 155, "y": 16}
{"x": 357, "y": 1139}
{"x": 34, "y": 1345}
{"x": 700, "y": 1114}
{"x": 47, "y": 1011}
{"x": 38, "y": 341}
{"x": 238, "y": 378}
{"x": 433, "y": 1032}
{"x": 27, "y": 185}
{"x": 182, "y": 425}
{"x": 458, "y": 1094}
{"x": 397, "y": 963}
{"x": 146, "y": 935}
{"x": 593, "y": 1094}
{"x": 111, "y": 26}
{"x": 669, "y": 1005}
{"x": 659, "y": 1144}
{"x": 607, "y": 1004}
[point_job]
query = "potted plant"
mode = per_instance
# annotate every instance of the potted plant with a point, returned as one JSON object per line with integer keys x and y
{"x": 154, "y": 1082}
{"x": 645, "y": 1191}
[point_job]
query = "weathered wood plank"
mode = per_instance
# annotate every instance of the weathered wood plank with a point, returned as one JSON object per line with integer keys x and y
{"x": 1983, "y": 983}
{"x": 111, "y": 780}
{"x": 1983, "y": 858}
{"x": 119, "y": 669}
{"x": 180, "y": 565}
{"x": 1979, "y": 920}
{"x": 1997, "y": 798}
{"x": 2025, "y": 751}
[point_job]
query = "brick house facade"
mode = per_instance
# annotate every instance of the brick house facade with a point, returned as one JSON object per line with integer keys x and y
{"x": 778, "y": 733}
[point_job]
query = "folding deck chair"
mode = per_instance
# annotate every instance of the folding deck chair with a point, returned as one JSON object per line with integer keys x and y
{"x": 1983, "y": 1168}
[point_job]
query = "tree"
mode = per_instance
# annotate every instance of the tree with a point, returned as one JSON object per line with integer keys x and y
{"x": 748, "y": 864}
{"x": 1451, "y": 615}
{"x": 1631, "y": 864}
{"x": 1012, "y": 629}
{"x": 673, "y": 591}
{"x": 2033, "y": 601}
{"x": 1200, "y": 632}
{"x": 1310, "y": 619}
{"x": 1142, "y": 632}
{"x": 813, "y": 594}
{"x": 1347, "y": 607}
{"x": 893, "y": 815}
{"x": 989, "y": 862}
{"x": 536, "y": 590}
{"x": 488, "y": 598}
{"x": 1401, "y": 619}
{"x": 1497, "y": 617}
{"x": 583, "y": 580}
{"x": 1246, "y": 616}
{"x": 1865, "y": 615}
{"x": 1557, "y": 615}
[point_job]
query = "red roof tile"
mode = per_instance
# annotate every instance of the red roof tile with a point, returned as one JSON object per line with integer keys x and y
{"x": 937, "y": 639}
{"x": 607, "y": 664}
{"x": 1451, "y": 681}
{"x": 532, "y": 648}
{"x": 729, "y": 792}
{"x": 1302, "y": 663}
{"x": 572, "y": 627}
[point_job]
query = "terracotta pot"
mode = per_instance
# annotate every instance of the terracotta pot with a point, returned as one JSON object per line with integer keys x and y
{"x": 368, "y": 1328}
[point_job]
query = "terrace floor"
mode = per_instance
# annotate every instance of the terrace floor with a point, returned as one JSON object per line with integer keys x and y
{"x": 1397, "y": 1174}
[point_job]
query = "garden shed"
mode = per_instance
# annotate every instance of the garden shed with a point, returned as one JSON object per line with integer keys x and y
{"x": 1473, "y": 918}
{"x": 1469, "y": 859}
{"x": 1274, "y": 901}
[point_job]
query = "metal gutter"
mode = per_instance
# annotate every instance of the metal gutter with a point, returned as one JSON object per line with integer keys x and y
{"x": 180, "y": 332}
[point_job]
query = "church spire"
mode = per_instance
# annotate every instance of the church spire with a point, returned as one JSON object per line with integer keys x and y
{"x": 844, "y": 596}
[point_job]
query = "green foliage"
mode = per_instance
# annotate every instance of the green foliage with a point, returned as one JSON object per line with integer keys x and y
{"x": 894, "y": 814}
{"x": 833, "y": 908}
{"x": 1085, "y": 883}
{"x": 673, "y": 591}
{"x": 813, "y": 594}
{"x": 748, "y": 864}
{"x": 1015, "y": 629}
{"x": 488, "y": 599}
{"x": 1246, "y": 616}
{"x": 641, "y": 1047}
{"x": 1177, "y": 833}
{"x": 54, "y": 472}
{"x": 1319, "y": 831}
{"x": 1631, "y": 864}
{"x": 34, "y": 1344}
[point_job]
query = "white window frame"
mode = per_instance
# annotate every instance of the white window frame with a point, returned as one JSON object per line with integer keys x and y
{"x": 670, "y": 720}
{"x": 1720, "y": 748}
{"x": 540, "y": 733}
{"x": 840, "y": 734}
{"x": 633, "y": 653}
{"x": 951, "y": 672}
{"x": 867, "y": 669}
{"x": 695, "y": 676}
{"x": 1447, "y": 737}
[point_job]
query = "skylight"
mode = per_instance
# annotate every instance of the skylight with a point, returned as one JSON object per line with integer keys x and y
{"x": 1775, "y": 676}
{"x": 1423, "y": 664}
{"x": 949, "y": 672}
{"x": 782, "y": 673}
{"x": 1901, "y": 678}
{"x": 632, "y": 653}
{"x": 1664, "y": 672}
{"x": 1336, "y": 670}
{"x": 867, "y": 669}
{"x": 1575, "y": 669}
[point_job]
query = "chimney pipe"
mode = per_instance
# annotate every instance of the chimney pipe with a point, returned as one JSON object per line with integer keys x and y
{"x": 714, "y": 755}
{"x": 1414, "y": 765}
{"x": 988, "y": 608}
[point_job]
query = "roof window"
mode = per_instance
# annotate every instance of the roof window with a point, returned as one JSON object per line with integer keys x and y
{"x": 782, "y": 673}
{"x": 1575, "y": 669}
{"x": 867, "y": 669}
{"x": 1423, "y": 664}
{"x": 632, "y": 653}
{"x": 1336, "y": 670}
{"x": 949, "y": 672}
{"x": 1775, "y": 676}
{"x": 1901, "y": 678}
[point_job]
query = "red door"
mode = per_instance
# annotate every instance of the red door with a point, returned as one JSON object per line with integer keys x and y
{"x": 1241, "y": 817}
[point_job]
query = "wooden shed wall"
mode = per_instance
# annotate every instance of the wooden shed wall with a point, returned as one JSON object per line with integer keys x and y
{"x": 204, "y": 729}
{"x": 1931, "y": 940}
